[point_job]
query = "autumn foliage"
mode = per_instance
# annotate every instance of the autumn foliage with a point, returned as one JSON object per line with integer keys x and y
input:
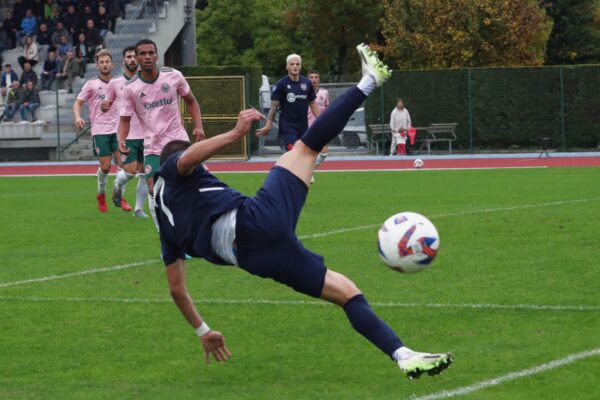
{"x": 464, "y": 33}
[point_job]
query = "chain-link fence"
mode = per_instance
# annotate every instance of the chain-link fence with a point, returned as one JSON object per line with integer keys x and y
{"x": 500, "y": 108}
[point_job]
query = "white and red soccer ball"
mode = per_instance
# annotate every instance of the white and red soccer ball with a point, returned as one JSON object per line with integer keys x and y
{"x": 408, "y": 242}
{"x": 418, "y": 163}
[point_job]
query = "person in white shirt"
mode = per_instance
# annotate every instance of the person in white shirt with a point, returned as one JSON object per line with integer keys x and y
{"x": 399, "y": 123}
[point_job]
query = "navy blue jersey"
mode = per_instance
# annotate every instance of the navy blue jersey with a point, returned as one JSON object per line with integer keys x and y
{"x": 186, "y": 208}
{"x": 294, "y": 99}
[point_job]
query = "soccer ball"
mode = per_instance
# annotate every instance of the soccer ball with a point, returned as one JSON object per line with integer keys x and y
{"x": 408, "y": 242}
{"x": 418, "y": 163}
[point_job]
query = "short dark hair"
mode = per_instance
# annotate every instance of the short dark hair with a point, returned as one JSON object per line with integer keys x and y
{"x": 173, "y": 147}
{"x": 128, "y": 49}
{"x": 313, "y": 71}
{"x": 145, "y": 41}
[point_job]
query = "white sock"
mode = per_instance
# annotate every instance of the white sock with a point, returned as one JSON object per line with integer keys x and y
{"x": 367, "y": 84}
{"x": 141, "y": 192}
{"x": 402, "y": 353}
{"x": 153, "y": 210}
{"x": 122, "y": 179}
{"x": 320, "y": 158}
{"x": 102, "y": 180}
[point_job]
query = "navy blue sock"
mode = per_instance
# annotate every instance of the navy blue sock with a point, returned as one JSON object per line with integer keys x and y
{"x": 332, "y": 121}
{"x": 365, "y": 322}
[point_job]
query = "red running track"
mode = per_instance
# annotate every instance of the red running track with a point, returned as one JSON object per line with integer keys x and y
{"x": 332, "y": 165}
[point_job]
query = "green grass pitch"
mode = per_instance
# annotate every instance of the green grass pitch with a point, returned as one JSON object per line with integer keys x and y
{"x": 515, "y": 238}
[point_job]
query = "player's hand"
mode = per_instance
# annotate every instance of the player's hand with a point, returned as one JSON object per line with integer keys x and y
{"x": 264, "y": 131}
{"x": 123, "y": 147}
{"x": 245, "y": 120}
{"x": 199, "y": 133}
{"x": 105, "y": 105}
{"x": 79, "y": 123}
{"x": 214, "y": 343}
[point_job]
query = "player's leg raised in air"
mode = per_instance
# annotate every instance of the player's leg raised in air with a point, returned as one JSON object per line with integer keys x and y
{"x": 337, "y": 288}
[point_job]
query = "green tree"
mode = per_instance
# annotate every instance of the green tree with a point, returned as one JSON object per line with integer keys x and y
{"x": 575, "y": 37}
{"x": 329, "y": 30}
{"x": 231, "y": 32}
{"x": 464, "y": 33}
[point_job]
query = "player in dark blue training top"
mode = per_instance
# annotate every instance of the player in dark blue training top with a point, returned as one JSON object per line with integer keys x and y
{"x": 201, "y": 216}
{"x": 292, "y": 94}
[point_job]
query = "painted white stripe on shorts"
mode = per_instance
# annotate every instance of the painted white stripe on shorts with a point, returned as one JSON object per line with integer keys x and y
{"x": 79, "y": 273}
{"x": 210, "y": 189}
{"x": 456, "y": 214}
{"x": 447, "y": 394}
{"x": 531, "y": 307}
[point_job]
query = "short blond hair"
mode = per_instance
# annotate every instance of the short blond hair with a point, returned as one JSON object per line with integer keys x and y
{"x": 291, "y": 57}
{"x": 102, "y": 53}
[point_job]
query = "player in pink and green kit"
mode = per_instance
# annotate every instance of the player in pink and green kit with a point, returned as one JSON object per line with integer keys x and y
{"x": 133, "y": 162}
{"x": 153, "y": 95}
{"x": 104, "y": 124}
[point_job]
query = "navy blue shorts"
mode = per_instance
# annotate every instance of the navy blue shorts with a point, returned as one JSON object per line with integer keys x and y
{"x": 266, "y": 240}
{"x": 288, "y": 140}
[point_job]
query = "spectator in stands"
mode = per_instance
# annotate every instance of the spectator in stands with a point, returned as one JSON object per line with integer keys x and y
{"x": 114, "y": 11}
{"x": 8, "y": 76}
{"x": 88, "y": 13}
{"x": 12, "y": 101}
{"x": 64, "y": 46}
{"x": 54, "y": 17}
{"x": 92, "y": 36}
{"x": 49, "y": 71}
{"x": 84, "y": 52}
{"x": 102, "y": 21}
{"x": 30, "y": 53}
{"x": 44, "y": 36}
{"x": 19, "y": 9}
{"x": 29, "y": 101}
{"x": 28, "y": 75}
{"x": 28, "y": 26}
{"x": 10, "y": 27}
{"x": 48, "y": 6}
{"x": 38, "y": 8}
{"x": 58, "y": 33}
{"x": 68, "y": 69}
{"x": 71, "y": 21}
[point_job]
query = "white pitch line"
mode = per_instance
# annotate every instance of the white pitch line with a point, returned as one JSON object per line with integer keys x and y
{"x": 534, "y": 307}
{"x": 79, "y": 273}
{"x": 308, "y": 236}
{"x": 446, "y": 394}
{"x": 456, "y": 214}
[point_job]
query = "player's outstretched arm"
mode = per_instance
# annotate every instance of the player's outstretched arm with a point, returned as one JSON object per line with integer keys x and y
{"x": 194, "y": 110}
{"x": 202, "y": 151}
{"x": 264, "y": 131}
{"x": 213, "y": 342}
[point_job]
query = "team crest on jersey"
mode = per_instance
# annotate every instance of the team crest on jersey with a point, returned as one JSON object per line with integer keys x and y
{"x": 165, "y": 88}
{"x": 148, "y": 169}
{"x": 289, "y": 87}
{"x": 291, "y": 97}
{"x": 303, "y": 86}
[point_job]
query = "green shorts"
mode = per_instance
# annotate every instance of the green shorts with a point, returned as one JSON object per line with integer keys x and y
{"x": 136, "y": 151}
{"x": 151, "y": 165}
{"x": 105, "y": 145}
